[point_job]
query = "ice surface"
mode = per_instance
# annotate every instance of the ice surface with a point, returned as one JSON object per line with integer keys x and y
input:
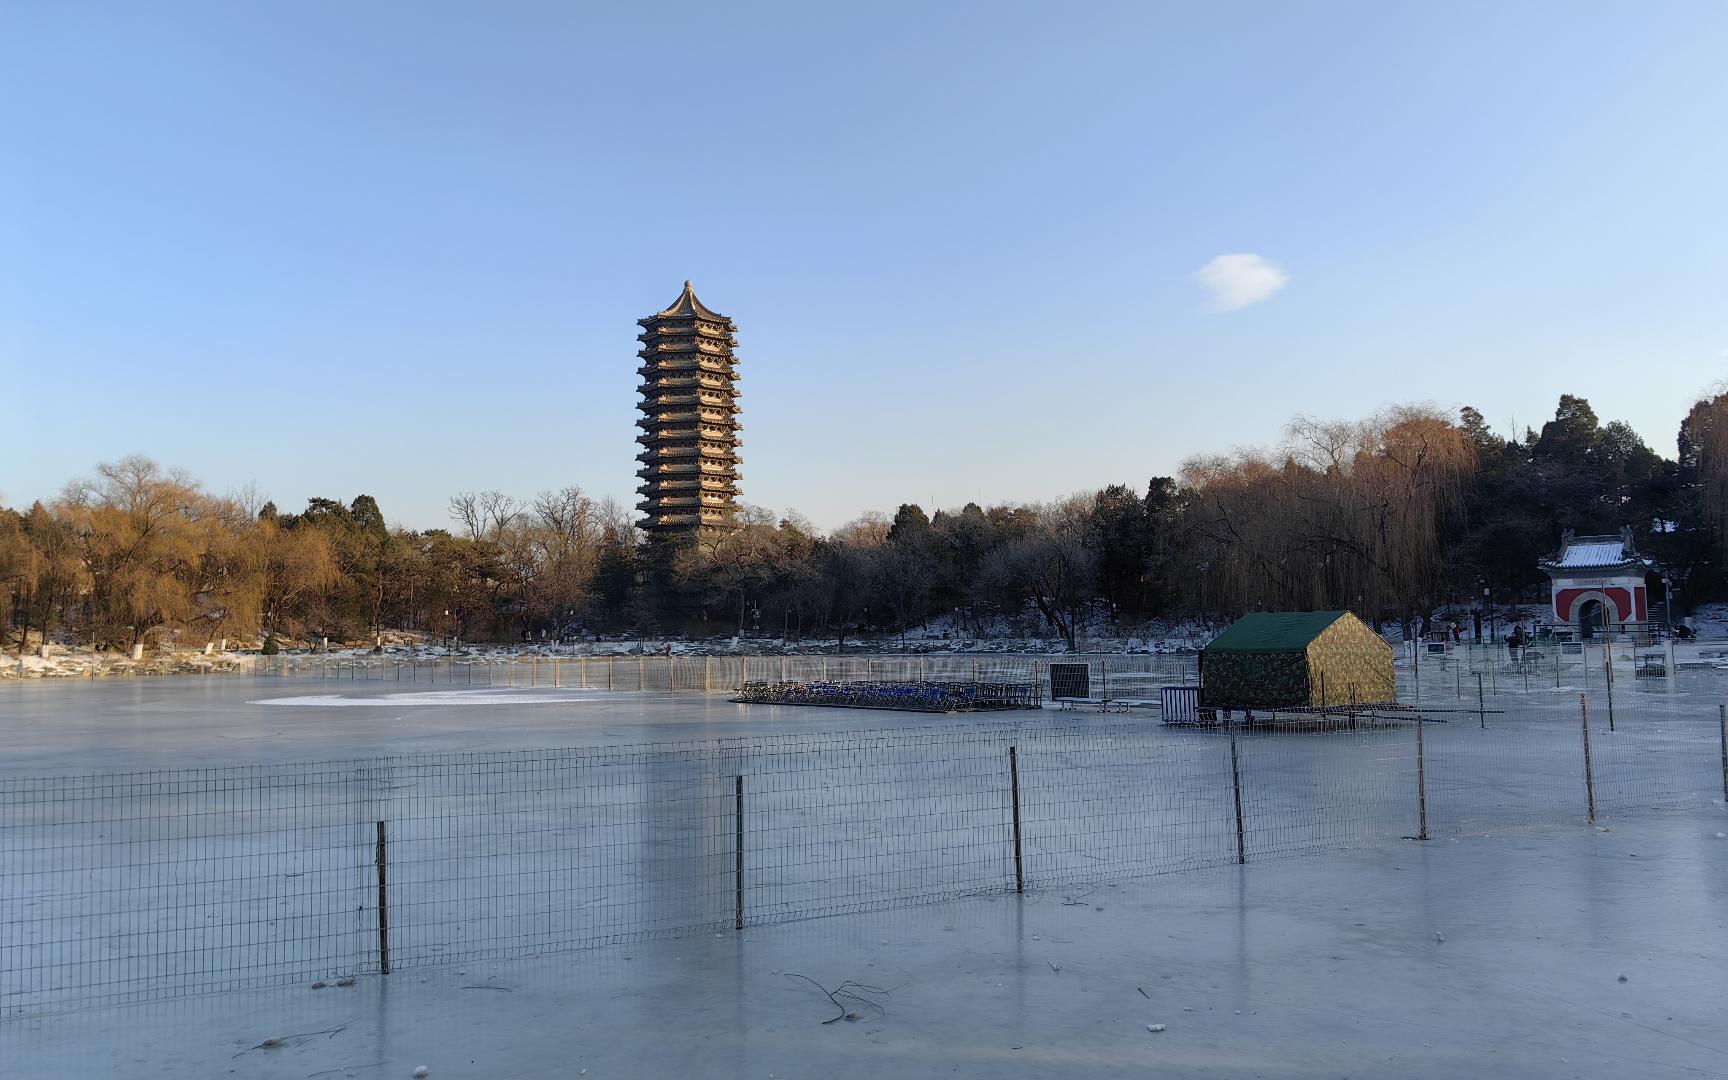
{"x": 1319, "y": 967}
{"x": 1328, "y": 961}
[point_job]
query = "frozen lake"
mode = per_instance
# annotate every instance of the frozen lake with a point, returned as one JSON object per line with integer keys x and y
{"x": 52, "y": 727}
{"x": 218, "y": 863}
{"x": 60, "y": 726}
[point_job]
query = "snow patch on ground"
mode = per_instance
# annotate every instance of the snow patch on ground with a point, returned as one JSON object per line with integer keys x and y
{"x": 463, "y": 698}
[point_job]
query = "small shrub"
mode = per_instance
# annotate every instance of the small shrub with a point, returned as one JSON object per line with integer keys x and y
{"x": 271, "y": 648}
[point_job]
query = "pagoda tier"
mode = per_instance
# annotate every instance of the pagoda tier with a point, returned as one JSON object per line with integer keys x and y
{"x": 685, "y": 469}
{"x": 720, "y": 489}
{"x": 665, "y": 433}
{"x": 675, "y": 415}
{"x": 689, "y": 459}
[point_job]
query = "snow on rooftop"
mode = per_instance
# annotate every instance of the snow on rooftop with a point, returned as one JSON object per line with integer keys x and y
{"x": 1593, "y": 553}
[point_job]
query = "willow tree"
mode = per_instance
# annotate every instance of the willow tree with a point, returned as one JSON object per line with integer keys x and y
{"x": 136, "y": 528}
{"x": 286, "y": 568}
{"x": 1344, "y": 514}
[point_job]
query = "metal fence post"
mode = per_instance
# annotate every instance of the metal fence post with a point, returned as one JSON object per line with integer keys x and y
{"x": 1014, "y": 790}
{"x": 738, "y": 847}
{"x": 1589, "y": 778}
{"x": 1236, "y": 787}
{"x": 383, "y": 903}
{"x": 1481, "y": 709}
{"x": 1608, "y": 682}
{"x": 1421, "y": 782}
{"x": 1722, "y": 722}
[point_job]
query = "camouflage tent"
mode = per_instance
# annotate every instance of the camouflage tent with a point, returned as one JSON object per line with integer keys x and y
{"x": 1283, "y": 659}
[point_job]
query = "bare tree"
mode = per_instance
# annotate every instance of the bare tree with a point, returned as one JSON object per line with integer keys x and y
{"x": 484, "y": 516}
{"x": 1055, "y": 568}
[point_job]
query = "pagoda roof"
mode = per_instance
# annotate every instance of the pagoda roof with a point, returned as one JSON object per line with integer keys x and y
{"x": 687, "y": 307}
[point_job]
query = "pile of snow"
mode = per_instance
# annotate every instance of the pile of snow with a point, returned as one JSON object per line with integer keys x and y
{"x": 61, "y": 662}
{"x": 1710, "y": 621}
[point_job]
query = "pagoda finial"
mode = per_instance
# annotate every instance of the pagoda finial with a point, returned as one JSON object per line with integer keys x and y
{"x": 687, "y": 305}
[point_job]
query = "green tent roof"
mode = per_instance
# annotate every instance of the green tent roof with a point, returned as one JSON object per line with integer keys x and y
{"x": 1273, "y": 631}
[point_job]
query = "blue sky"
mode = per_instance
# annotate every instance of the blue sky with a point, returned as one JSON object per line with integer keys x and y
{"x": 399, "y": 248}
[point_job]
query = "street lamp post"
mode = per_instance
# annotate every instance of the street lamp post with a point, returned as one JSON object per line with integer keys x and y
{"x": 1204, "y": 621}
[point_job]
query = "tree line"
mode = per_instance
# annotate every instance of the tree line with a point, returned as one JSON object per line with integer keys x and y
{"x": 1395, "y": 516}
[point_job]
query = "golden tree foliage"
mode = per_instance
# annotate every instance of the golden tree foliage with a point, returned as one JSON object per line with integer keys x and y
{"x": 1342, "y": 515}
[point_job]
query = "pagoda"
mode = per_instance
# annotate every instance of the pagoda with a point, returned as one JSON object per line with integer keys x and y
{"x": 689, "y": 420}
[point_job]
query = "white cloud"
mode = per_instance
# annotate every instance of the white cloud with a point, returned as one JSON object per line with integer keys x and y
{"x": 1235, "y": 281}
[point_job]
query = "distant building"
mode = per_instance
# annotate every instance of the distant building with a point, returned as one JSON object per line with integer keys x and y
{"x": 1599, "y": 584}
{"x": 689, "y": 420}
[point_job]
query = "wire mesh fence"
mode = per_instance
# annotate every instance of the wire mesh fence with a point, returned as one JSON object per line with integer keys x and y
{"x": 919, "y": 696}
{"x": 1457, "y": 672}
{"x": 150, "y": 884}
{"x": 1434, "y": 669}
{"x": 1114, "y": 678}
